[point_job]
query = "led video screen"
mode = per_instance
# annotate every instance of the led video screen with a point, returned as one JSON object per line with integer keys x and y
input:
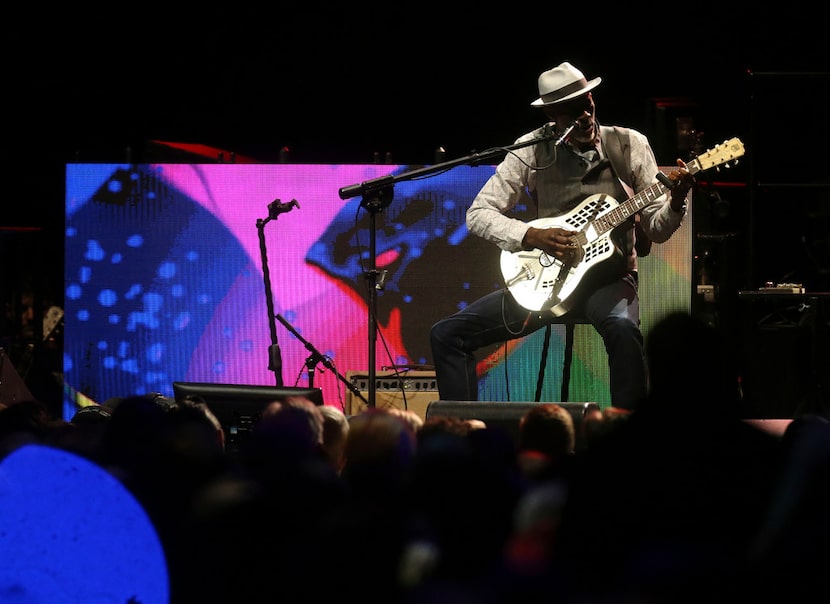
{"x": 166, "y": 268}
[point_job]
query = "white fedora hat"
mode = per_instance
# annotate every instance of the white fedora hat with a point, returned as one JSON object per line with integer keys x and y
{"x": 562, "y": 83}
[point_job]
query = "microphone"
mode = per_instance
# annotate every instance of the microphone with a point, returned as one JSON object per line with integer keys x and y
{"x": 564, "y": 136}
{"x": 275, "y": 208}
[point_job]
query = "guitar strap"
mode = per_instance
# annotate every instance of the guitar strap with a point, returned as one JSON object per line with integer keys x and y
{"x": 618, "y": 150}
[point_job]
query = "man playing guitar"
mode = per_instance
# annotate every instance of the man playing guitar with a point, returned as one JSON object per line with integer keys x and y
{"x": 576, "y": 160}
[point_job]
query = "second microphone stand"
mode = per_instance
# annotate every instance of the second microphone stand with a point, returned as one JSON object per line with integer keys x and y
{"x": 275, "y": 208}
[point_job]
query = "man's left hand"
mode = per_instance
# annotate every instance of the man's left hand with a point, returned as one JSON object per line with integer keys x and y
{"x": 683, "y": 182}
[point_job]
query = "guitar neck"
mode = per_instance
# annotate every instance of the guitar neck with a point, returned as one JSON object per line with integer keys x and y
{"x": 622, "y": 212}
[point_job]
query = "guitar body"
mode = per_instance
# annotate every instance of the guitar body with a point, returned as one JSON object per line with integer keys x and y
{"x": 540, "y": 282}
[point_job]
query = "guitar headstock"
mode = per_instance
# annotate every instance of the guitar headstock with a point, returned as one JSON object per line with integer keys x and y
{"x": 721, "y": 155}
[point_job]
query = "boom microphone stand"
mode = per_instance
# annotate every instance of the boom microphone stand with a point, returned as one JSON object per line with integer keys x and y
{"x": 377, "y": 195}
{"x": 317, "y": 357}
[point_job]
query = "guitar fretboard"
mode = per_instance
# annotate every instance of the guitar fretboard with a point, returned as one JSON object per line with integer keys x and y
{"x": 618, "y": 215}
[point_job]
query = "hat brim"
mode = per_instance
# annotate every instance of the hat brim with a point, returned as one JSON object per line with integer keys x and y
{"x": 591, "y": 85}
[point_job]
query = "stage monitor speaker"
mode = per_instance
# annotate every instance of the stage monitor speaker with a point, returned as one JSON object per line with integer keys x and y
{"x": 413, "y": 390}
{"x": 505, "y": 415}
{"x": 785, "y": 354}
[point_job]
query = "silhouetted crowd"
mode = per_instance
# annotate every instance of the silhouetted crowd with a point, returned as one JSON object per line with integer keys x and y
{"x": 680, "y": 500}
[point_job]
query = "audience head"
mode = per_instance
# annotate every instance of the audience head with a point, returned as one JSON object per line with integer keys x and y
{"x": 379, "y": 449}
{"x": 546, "y": 440}
{"x": 448, "y": 424}
{"x": 196, "y": 433}
{"x": 335, "y": 433}
{"x": 290, "y": 432}
{"x": 136, "y": 434}
{"x": 598, "y": 422}
{"x": 409, "y": 416}
{"x": 88, "y": 425}
{"x": 547, "y": 428}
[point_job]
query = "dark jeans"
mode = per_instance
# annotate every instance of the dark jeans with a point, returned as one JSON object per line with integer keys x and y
{"x": 613, "y": 310}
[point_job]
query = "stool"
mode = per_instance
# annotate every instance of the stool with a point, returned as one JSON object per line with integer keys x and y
{"x": 570, "y": 323}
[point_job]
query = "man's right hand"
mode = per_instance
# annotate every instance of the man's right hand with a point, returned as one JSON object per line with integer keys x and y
{"x": 555, "y": 241}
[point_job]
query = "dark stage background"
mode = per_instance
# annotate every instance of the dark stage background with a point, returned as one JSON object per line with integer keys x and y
{"x": 343, "y": 84}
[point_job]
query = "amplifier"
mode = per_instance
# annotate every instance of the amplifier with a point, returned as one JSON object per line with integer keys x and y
{"x": 413, "y": 390}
